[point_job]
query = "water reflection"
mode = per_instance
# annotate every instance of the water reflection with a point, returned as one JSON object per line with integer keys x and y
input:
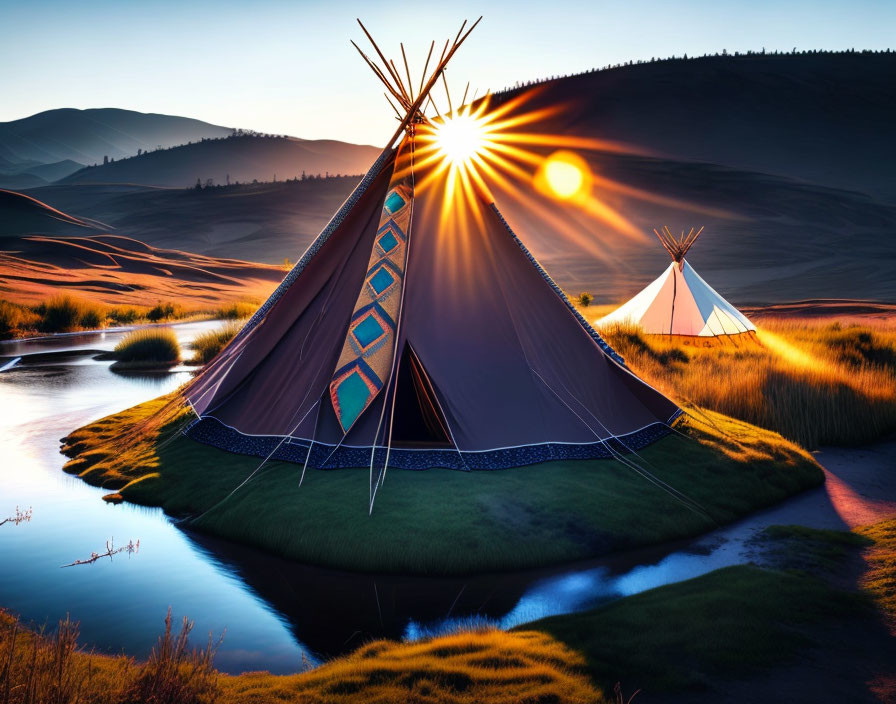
{"x": 274, "y": 611}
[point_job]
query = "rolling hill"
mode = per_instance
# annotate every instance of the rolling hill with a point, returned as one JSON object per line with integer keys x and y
{"x": 242, "y": 158}
{"x": 825, "y": 118}
{"x": 87, "y": 136}
{"x": 76, "y": 256}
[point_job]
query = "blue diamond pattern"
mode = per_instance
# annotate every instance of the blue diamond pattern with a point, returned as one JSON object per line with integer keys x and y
{"x": 388, "y": 242}
{"x": 368, "y": 331}
{"x": 394, "y": 202}
{"x": 381, "y": 280}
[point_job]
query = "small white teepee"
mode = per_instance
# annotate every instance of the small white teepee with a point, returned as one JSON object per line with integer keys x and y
{"x": 679, "y": 302}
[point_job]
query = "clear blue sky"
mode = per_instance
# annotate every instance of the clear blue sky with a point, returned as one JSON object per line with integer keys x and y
{"x": 287, "y": 66}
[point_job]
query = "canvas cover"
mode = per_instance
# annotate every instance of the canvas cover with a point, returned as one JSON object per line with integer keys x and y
{"x": 680, "y": 302}
{"x": 482, "y": 362}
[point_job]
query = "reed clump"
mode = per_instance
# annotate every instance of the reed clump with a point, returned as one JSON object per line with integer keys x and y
{"x": 816, "y": 383}
{"x": 151, "y": 347}
{"x": 207, "y": 345}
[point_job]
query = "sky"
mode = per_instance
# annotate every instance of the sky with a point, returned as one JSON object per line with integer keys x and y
{"x": 288, "y": 68}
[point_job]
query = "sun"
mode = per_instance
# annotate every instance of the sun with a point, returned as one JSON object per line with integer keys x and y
{"x": 460, "y": 138}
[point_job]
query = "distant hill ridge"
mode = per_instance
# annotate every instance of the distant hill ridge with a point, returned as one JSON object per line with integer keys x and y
{"x": 824, "y": 117}
{"x": 86, "y": 136}
{"x": 237, "y": 157}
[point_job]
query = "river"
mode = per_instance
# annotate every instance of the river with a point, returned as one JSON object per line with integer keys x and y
{"x": 281, "y": 616}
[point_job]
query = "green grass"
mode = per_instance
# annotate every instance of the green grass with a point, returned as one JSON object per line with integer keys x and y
{"x": 208, "y": 344}
{"x": 444, "y": 521}
{"x": 151, "y": 347}
{"x": 730, "y": 623}
{"x": 809, "y": 549}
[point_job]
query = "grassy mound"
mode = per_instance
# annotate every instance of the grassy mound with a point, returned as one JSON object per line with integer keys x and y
{"x": 730, "y": 623}
{"x": 148, "y": 348}
{"x": 465, "y": 668}
{"x": 208, "y": 344}
{"x": 815, "y": 383}
{"x": 473, "y": 521}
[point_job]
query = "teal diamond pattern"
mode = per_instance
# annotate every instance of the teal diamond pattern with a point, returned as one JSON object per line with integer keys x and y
{"x": 368, "y": 331}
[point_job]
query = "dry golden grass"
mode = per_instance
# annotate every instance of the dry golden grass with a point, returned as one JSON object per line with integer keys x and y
{"x": 207, "y": 345}
{"x": 49, "y": 668}
{"x": 463, "y": 668}
{"x": 149, "y": 347}
{"x": 880, "y": 579}
{"x": 815, "y": 383}
{"x": 103, "y": 449}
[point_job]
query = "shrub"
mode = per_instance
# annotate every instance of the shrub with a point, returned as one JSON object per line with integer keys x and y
{"x": 237, "y": 310}
{"x": 65, "y": 313}
{"x": 149, "y": 347}
{"x": 584, "y": 299}
{"x": 164, "y": 311}
{"x": 208, "y": 344}
{"x": 124, "y": 316}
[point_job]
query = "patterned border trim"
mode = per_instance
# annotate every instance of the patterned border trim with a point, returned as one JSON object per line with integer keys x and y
{"x": 319, "y": 242}
{"x": 559, "y": 291}
{"x": 211, "y": 431}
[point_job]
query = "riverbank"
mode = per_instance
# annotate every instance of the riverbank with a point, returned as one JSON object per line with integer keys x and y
{"x": 544, "y": 514}
{"x": 807, "y": 625}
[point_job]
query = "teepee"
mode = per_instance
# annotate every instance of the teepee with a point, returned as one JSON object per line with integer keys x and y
{"x": 679, "y": 301}
{"x": 408, "y": 338}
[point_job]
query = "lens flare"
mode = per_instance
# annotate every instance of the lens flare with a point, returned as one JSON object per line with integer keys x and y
{"x": 564, "y": 175}
{"x": 565, "y": 179}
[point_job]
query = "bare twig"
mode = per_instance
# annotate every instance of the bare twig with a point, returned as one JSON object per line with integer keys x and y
{"x": 19, "y": 517}
{"x": 111, "y": 550}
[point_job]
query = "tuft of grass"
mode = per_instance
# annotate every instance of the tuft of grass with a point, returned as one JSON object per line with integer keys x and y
{"x": 209, "y": 344}
{"x": 164, "y": 310}
{"x": 815, "y": 383}
{"x": 65, "y": 313}
{"x": 237, "y": 310}
{"x": 16, "y": 320}
{"x": 151, "y": 347}
{"x": 176, "y": 674}
{"x": 880, "y": 580}
{"x": 561, "y": 511}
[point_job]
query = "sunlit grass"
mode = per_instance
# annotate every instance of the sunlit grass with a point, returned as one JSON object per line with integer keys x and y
{"x": 463, "y": 668}
{"x": 208, "y": 344}
{"x": 815, "y": 383}
{"x": 880, "y": 579}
